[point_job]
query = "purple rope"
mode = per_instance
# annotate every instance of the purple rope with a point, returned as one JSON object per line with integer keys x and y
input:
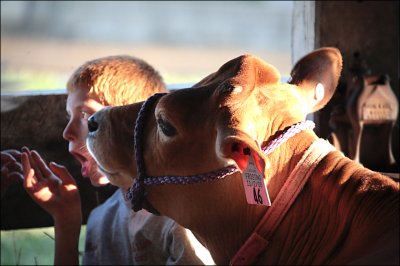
{"x": 287, "y": 134}
{"x": 221, "y": 173}
{"x": 137, "y": 192}
{"x": 191, "y": 179}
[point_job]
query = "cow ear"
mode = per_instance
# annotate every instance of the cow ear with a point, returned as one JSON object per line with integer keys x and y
{"x": 316, "y": 75}
{"x": 238, "y": 147}
{"x": 255, "y": 73}
{"x": 241, "y": 76}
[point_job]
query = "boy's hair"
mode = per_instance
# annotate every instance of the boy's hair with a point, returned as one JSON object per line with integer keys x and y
{"x": 117, "y": 80}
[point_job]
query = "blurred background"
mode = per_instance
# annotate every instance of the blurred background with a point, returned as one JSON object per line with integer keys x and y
{"x": 43, "y": 42}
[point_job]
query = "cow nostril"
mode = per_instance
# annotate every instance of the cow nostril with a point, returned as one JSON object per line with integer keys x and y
{"x": 92, "y": 124}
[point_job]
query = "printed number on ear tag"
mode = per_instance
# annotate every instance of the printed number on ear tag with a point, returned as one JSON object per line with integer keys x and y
{"x": 253, "y": 181}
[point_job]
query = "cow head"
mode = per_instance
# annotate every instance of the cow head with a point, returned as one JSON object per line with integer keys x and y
{"x": 208, "y": 126}
{"x": 218, "y": 122}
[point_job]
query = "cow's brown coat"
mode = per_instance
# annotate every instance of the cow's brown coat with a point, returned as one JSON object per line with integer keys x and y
{"x": 345, "y": 213}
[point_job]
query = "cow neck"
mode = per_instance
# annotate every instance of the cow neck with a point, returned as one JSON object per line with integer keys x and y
{"x": 136, "y": 194}
{"x": 258, "y": 241}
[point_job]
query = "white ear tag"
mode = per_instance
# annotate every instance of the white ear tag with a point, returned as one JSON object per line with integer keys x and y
{"x": 319, "y": 92}
{"x": 254, "y": 186}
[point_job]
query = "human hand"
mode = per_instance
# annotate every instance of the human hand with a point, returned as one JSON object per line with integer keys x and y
{"x": 11, "y": 169}
{"x": 52, "y": 187}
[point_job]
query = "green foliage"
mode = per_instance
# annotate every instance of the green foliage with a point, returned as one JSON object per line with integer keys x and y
{"x": 31, "y": 246}
{"x": 14, "y": 81}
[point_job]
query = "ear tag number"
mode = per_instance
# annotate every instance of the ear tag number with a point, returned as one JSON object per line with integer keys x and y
{"x": 255, "y": 188}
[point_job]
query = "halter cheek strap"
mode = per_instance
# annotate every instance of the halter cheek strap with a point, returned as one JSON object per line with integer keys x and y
{"x": 136, "y": 193}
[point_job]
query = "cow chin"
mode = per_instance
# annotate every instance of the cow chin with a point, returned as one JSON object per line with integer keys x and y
{"x": 118, "y": 176}
{"x": 95, "y": 151}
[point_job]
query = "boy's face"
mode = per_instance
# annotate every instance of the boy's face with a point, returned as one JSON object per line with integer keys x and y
{"x": 79, "y": 108}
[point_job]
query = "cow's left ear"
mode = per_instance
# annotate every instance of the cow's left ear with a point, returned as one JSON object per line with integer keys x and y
{"x": 238, "y": 147}
{"x": 316, "y": 75}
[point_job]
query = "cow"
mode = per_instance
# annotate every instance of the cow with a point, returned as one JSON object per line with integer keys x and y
{"x": 234, "y": 160}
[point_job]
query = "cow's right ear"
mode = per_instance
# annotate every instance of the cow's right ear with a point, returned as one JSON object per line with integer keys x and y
{"x": 237, "y": 146}
{"x": 317, "y": 75}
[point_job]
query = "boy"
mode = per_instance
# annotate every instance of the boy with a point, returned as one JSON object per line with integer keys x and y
{"x": 115, "y": 234}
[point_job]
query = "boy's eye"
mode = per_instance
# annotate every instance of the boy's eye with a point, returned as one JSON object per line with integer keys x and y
{"x": 85, "y": 115}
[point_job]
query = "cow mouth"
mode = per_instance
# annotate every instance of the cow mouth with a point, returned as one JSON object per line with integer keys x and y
{"x": 106, "y": 171}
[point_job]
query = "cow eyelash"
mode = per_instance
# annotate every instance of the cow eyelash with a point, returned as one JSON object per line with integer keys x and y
{"x": 166, "y": 127}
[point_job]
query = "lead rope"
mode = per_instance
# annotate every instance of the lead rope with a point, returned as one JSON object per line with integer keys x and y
{"x": 137, "y": 192}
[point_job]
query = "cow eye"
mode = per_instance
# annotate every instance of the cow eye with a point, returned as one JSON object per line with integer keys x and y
{"x": 166, "y": 127}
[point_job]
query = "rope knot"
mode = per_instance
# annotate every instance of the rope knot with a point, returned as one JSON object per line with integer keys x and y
{"x": 137, "y": 194}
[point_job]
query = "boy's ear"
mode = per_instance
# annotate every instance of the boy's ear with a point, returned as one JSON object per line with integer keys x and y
{"x": 317, "y": 74}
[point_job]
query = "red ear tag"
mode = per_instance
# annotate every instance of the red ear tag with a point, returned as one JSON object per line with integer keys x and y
{"x": 254, "y": 186}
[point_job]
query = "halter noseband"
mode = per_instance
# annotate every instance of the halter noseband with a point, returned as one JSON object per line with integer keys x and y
{"x": 137, "y": 193}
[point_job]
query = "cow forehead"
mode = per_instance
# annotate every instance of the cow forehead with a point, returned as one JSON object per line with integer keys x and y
{"x": 193, "y": 105}
{"x": 186, "y": 107}
{"x": 240, "y": 86}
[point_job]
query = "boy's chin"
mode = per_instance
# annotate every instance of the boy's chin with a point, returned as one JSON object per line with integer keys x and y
{"x": 99, "y": 180}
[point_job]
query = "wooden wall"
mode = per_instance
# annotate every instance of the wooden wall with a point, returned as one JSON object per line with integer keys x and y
{"x": 370, "y": 28}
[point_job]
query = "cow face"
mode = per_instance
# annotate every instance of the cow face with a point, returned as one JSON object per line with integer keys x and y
{"x": 212, "y": 124}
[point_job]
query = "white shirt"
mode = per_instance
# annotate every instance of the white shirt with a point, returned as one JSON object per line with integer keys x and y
{"x": 116, "y": 235}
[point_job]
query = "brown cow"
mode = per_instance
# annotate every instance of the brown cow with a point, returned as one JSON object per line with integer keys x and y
{"x": 213, "y": 157}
